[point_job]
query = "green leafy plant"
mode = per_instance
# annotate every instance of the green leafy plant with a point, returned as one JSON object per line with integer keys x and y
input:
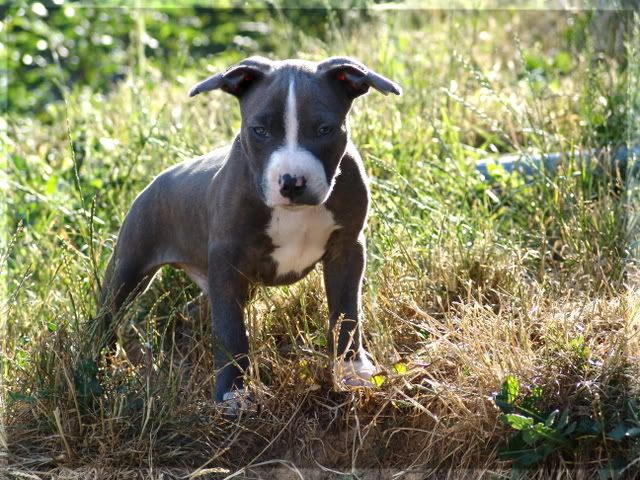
{"x": 538, "y": 435}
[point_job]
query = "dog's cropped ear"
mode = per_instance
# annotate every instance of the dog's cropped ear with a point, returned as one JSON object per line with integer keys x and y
{"x": 235, "y": 80}
{"x": 356, "y": 78}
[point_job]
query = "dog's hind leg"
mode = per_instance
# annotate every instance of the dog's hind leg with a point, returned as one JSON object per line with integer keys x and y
{"x": 125, "y": 278}
{"x": 134, "y": 261}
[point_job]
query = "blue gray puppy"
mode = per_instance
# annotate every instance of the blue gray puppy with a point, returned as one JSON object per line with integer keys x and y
{"x": 290, "y": 191}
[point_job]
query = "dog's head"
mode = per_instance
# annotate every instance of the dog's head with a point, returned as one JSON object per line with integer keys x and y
{"x": 294, "y": 121}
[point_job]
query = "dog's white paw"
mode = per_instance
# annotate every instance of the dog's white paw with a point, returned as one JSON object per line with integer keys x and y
{"x": 237, "y": 402}
{"x": 356, "y": 373}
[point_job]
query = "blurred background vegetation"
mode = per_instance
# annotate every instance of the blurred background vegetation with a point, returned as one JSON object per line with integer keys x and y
{"x": 51, "y": 45}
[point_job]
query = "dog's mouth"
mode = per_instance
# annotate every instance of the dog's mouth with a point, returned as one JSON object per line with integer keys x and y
{"x": 295, "y": 206}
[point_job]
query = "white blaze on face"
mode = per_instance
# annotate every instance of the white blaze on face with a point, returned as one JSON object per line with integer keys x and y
{"x": 291, "y": 159}
{"x": 291, "y": 119}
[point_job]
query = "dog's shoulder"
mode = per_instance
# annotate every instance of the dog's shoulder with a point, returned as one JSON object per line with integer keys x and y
{"x": 351, "y": 188}
{"x": 352, "y": 180}
{"x": 202, "y": 167}
{"x": 209, "y": 162}
{"x": 187, "y": 180}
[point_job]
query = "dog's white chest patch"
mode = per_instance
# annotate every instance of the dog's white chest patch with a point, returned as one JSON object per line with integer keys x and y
{"x": 299, "y": 236}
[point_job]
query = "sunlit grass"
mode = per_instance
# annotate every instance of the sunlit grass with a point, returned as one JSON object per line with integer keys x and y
{"x": 467, "y": 283}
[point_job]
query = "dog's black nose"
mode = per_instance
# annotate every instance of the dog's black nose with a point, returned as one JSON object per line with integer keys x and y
{"x": 292, "y": 186}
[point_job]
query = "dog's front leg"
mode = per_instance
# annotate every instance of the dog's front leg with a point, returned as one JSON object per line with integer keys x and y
{"x": 228, "y": 294}
{"x": 343, "y": 272}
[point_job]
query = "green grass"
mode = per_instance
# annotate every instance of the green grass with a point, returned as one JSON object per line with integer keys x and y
{"x": 487, "y": 307}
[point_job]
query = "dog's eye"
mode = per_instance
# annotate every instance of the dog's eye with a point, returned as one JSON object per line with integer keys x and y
{"x": 260, "y": 131}
{"x": 324, "y": 130}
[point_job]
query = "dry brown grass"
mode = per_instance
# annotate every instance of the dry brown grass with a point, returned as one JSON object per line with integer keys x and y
{"x": 437, "y": 415}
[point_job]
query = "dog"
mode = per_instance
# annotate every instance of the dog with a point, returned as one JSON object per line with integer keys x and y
{"x": 289, "y": 191}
